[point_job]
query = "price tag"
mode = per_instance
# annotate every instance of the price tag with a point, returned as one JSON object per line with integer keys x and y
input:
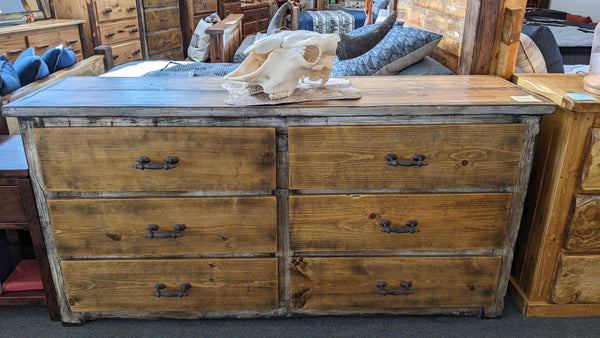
{"x": 525, "y": 98}
{"x": 581, "y": 97}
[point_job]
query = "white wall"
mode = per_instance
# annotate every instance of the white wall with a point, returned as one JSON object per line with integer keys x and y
{"x": 578, "y": 7}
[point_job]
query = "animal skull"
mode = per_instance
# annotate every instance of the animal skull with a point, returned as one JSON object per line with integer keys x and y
{"x": 276, "y": 63}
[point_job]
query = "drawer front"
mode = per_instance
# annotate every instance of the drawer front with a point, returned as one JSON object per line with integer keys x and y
{"x": 350, "y": 282}
{"x": 590, "y": 177}
{"x": 262, "y": 13}
{"x": 117, "y": 32}
{"x": 163, "y": 41}
{"x": 12, "y": 47}
{"x": 216, "y": 284}
{"x": 263, "y": 25}
{"x": 205, "y": 6}
{"x": 71, "y": 38}
{"x": 576, "y": 279}
{"x": 11, "y": 207}
{"x": 125, "y": 52}
{"x": 443, "y": 222}
{"x": 250, "y": 28}
{"x": 107, "y": 10}
{"x": 584, "y": 228}
{"x": 460, "y": 156}
{"x": 102, "y": 159}
{"x": 231, "y": 8}
{"x": 41, "y": 42}
{"x": 250, "y": 15}
{"x": 162, "y": 19}
{"x": 176, "y": 55}
{"x": 159, "y": 3}
{"x": 117, "y": 227}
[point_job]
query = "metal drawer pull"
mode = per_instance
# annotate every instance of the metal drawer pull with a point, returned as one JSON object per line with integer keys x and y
{"x": 144, "y": 163}
{"x": 109, "y": 34}
{"x": 180, "y": 293}
{"x": 417, "y": 161}
{"x": 410, "y": 227}
{"x": 137, "y": 51}
{"x": 167, "y": 41}
{"x": 133, "y": 30}
{"x": 152, "y": 228}
{"x": 106, "y": 10}
{"x": 131, "y": 8}
{"x": 15, "y": 51}
{"x": 405, "y": 284}
{"x": 164, "y": 19}
{"x": 71, "y": 41}
{"x": 43, "y": 46}
{"x": 204, "y": 4}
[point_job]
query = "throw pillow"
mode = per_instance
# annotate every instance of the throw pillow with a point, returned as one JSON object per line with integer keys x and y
{"x": 400, "y": 48}
{"x": 9, "y": 79}
{"x": 30, "y": 67}
{"x": 59, "y": 58}
{"x": 529, "y": 56}
{"x": 545, "y": 41}
{"x": 199, "y": 45}
{"x": 379, "y": 4}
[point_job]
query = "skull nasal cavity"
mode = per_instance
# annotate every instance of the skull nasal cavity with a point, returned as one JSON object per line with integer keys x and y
{"x": 311, "y": 54}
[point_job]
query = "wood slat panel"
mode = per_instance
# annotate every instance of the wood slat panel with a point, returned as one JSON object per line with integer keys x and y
{"x": 576, "y": 279}
{"x": 127, "y": 285}
{"x": 349, "y": 282}
{"x": 116, "y": 227}
{"x": 101, "y": 159}
{"x": 590, "y": 176}
{"x": 445, "y": 222}
{"x": 584, "y": 229}
{"x": 354, "y": 157}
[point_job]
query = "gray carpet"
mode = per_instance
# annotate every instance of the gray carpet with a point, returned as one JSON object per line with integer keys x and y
{"x": 33, "y": 321}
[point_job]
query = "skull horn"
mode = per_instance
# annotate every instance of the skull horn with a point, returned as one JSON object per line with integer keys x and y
{"x": 277, "y": 20}
{"x": 352, "y": 46}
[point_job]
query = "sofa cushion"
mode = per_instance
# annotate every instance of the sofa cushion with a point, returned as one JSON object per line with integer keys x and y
{"x": 59, "y": 58}
{"x": 30, "y": 67}
{"x": 400, "y": 48}
{"x": 9, "y": 79}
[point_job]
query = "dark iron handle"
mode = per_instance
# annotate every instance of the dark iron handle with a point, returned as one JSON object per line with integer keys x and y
{"x": 134, "y": 30}
{"x": 115, "y": 57}
{"x": 71, "y": 41}
{"x": 181, "y": 293}
{"x": 137, "y": 51}
{"x": 15, "y": 51}
{"x": 106, "y": 10}
{"x": 417, "y": 161}
{"x": 152, "y": 228}
{"x": 167, "y": 41}
{"x": 131, "y": 8}
{"x": 406, "y": 285}
{"x": 164, "y": 19}
{"x": 144, "y": 163}
{"x": 205, "y": 4}
{"x": 42, "y": 46}
{"x": 410, "y": 227}
{"x": 109, "y": 34}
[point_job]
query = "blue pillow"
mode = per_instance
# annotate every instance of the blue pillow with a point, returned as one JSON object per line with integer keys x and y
{"x": 30, "y": 67}
{"x": 378, "y": 5}
{"x": 9, "y": 79}
{"x": 400, "y": 48}
{"x": 59, "y": 58}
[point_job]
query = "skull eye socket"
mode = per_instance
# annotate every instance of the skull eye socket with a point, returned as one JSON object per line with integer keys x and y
{"x": 312, "y": 53}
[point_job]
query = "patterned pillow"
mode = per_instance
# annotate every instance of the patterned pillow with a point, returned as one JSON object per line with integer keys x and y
{"x": 380, "y": 4}
{"x": 401, "y": 47}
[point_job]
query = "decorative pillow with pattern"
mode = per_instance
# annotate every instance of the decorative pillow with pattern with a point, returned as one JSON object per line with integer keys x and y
{"x": 401, "y": 47}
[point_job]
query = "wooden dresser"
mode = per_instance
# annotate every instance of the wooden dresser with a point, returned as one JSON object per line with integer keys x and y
{"x": 162, "y": 29}
{"x": 42, "y": 35}
{"x": 557, "y": 265}
{"x": 406, "y": 201}
{"x": 256, "y": 17}
{"x": 108, "y": 22}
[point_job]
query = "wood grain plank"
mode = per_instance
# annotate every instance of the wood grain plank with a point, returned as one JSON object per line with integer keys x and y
{"x": 583, "y": 230}
{"x": 576, "y": 279}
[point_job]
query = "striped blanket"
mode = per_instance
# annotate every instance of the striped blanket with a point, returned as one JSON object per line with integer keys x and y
{"x": 332, "y": 22}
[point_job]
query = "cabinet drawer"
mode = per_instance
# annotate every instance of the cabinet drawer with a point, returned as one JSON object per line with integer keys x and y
{"x": 250, "y": 28}
{"x": 125, "y": 52}
{"x": 41, "y": 42}
{"x": 161, "y": 19}
{"x": 175, "y": 55}
{"x": 262, "y": 13}
{"x": 159, "y": 3}
{"x": 250, "y": 15}
{"x": 205, "y": 6}
{"x": 107, "y": 10}
{"x": 350, "y": 282}
{"x": 576, "y": 279}
{"x": 117, "y": 227}
{"x": 590, "y": 177}
{"x": 216, "y": 284}
{"x": 231, "y": 8}
{"x": 11, "y": 207}
{"x": 444, "y": 222}
{"x": 584, "y": 228}
{"x": 12, "y": 47}
{"x": 263, "y": 25}
{"x": 102, "y": 159}
{"x": 458, "y": 156}
{"x": 163, "y": 41}
{"x": 120, "y": 31}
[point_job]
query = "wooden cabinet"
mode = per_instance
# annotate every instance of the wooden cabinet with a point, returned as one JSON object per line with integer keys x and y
{"x": 162, "y": 29}
{"x": 108, "y": 22}
{"x": 557, "y": 264}
{"x": 19, "y": 219}
{"x": 42, "y": 35}
{"x": 256, "y": 17}
{"x": 296, "y": 209}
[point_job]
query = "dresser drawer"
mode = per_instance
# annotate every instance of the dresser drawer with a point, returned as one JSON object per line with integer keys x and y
{"x": 107, "y": 10}
{"x": 216, "y": 284}
{"x": 250, "y": 28}
{"x": 125, "y": 52}
{"x": 117, "y": 227}
{"x": 353, "y": 222}
{"x": 576, "y": 279}
{"x": 350, "y": 282}
{"x": 157, "y": 19}
{"x": 584, "y": 227}
{"x": 206, "y": 6}
{"x": 41, "y": 42}
{"x": 12, "y": 209}
{"x": 103, "y": 159}
{"x": 163, "y": 41}
{"x": 457, "y": 156}
{"x": 159, "y": 3}
{"x": 12, "y": 47}
{"x": 231, "y": 8}
{"x": 117, "y": 32}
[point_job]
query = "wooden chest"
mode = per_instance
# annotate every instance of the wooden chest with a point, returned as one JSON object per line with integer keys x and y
{"x": 557, "y": 266}
{"x": 406, "y": 201}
